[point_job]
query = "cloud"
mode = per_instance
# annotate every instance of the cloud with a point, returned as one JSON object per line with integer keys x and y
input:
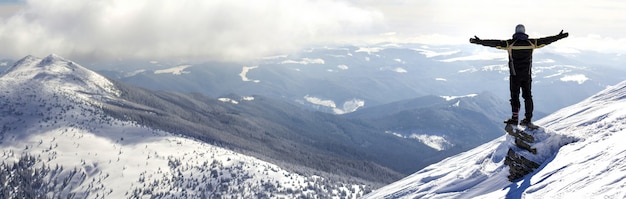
{"x": 185, "y": 29}
{"x": 238, "y": 30}
{"x": 454, "y": 22}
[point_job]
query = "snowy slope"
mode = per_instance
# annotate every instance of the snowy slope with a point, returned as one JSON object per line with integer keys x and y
{"x": 56, "y": 141}
{"x": 581, "y": 150}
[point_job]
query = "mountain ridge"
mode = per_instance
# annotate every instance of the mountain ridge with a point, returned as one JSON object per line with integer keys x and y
{"x": 455, "y": 123}
{"x": 379, "y": 74}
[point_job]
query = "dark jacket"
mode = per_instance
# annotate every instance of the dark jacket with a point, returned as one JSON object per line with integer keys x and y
{"x": 520, "y": 49}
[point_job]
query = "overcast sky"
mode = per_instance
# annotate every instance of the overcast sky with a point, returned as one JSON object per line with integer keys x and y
{"x": 243, "y": 29}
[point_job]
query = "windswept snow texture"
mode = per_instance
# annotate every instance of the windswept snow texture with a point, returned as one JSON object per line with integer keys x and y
{"x": 582, "y": 152}
{"x": 56, "y": 142}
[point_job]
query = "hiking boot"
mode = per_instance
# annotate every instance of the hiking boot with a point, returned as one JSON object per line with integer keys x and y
{"x": 527, "y": 123}
{"x": 512, "y": 121}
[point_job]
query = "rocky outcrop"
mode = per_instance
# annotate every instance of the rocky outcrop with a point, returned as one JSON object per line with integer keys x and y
{"x": 519, "y": 166}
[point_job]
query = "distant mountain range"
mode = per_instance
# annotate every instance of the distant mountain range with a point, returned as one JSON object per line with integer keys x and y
{"x": 343, "y": 79}
{"x": 462, "y": 120}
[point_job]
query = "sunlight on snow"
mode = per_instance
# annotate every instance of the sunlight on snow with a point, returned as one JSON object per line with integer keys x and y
{"x": 244, "y": 73}
{"x": 304, "y": 61}
{"x": 578, "y": 78}
{"x": 178, "y": 70}
{"x": 348, "y": 106}
{"x": 436, "y": 142}
{"x": 448, "y": 98}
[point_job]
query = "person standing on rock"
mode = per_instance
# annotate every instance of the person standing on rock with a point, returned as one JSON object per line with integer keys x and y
{"x": 520, "y": 49}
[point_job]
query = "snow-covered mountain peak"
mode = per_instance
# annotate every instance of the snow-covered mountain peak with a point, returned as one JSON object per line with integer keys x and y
{"x": 33, "y": 64}
{"x": 56, "y": 73}
{"x": 53, "y": 58}
{"x": 26, "y": 61}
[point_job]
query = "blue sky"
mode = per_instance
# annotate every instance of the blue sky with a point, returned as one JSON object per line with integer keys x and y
{"x": 240, "y": 29}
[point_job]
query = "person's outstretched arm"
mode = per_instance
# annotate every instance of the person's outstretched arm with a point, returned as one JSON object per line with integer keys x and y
{"x": 500, "y": 44}
{"x": 541, "y": 42}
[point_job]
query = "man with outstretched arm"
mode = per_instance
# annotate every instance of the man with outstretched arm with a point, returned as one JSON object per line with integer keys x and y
{"x": 520, "y": 49}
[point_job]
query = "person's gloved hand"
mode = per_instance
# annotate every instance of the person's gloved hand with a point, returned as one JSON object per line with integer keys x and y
{"x": 474, "y": 40}
{"x": 563, "y": 35}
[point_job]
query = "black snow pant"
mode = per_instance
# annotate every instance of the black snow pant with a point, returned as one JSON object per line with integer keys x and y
{"x": 523, "y": 83}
